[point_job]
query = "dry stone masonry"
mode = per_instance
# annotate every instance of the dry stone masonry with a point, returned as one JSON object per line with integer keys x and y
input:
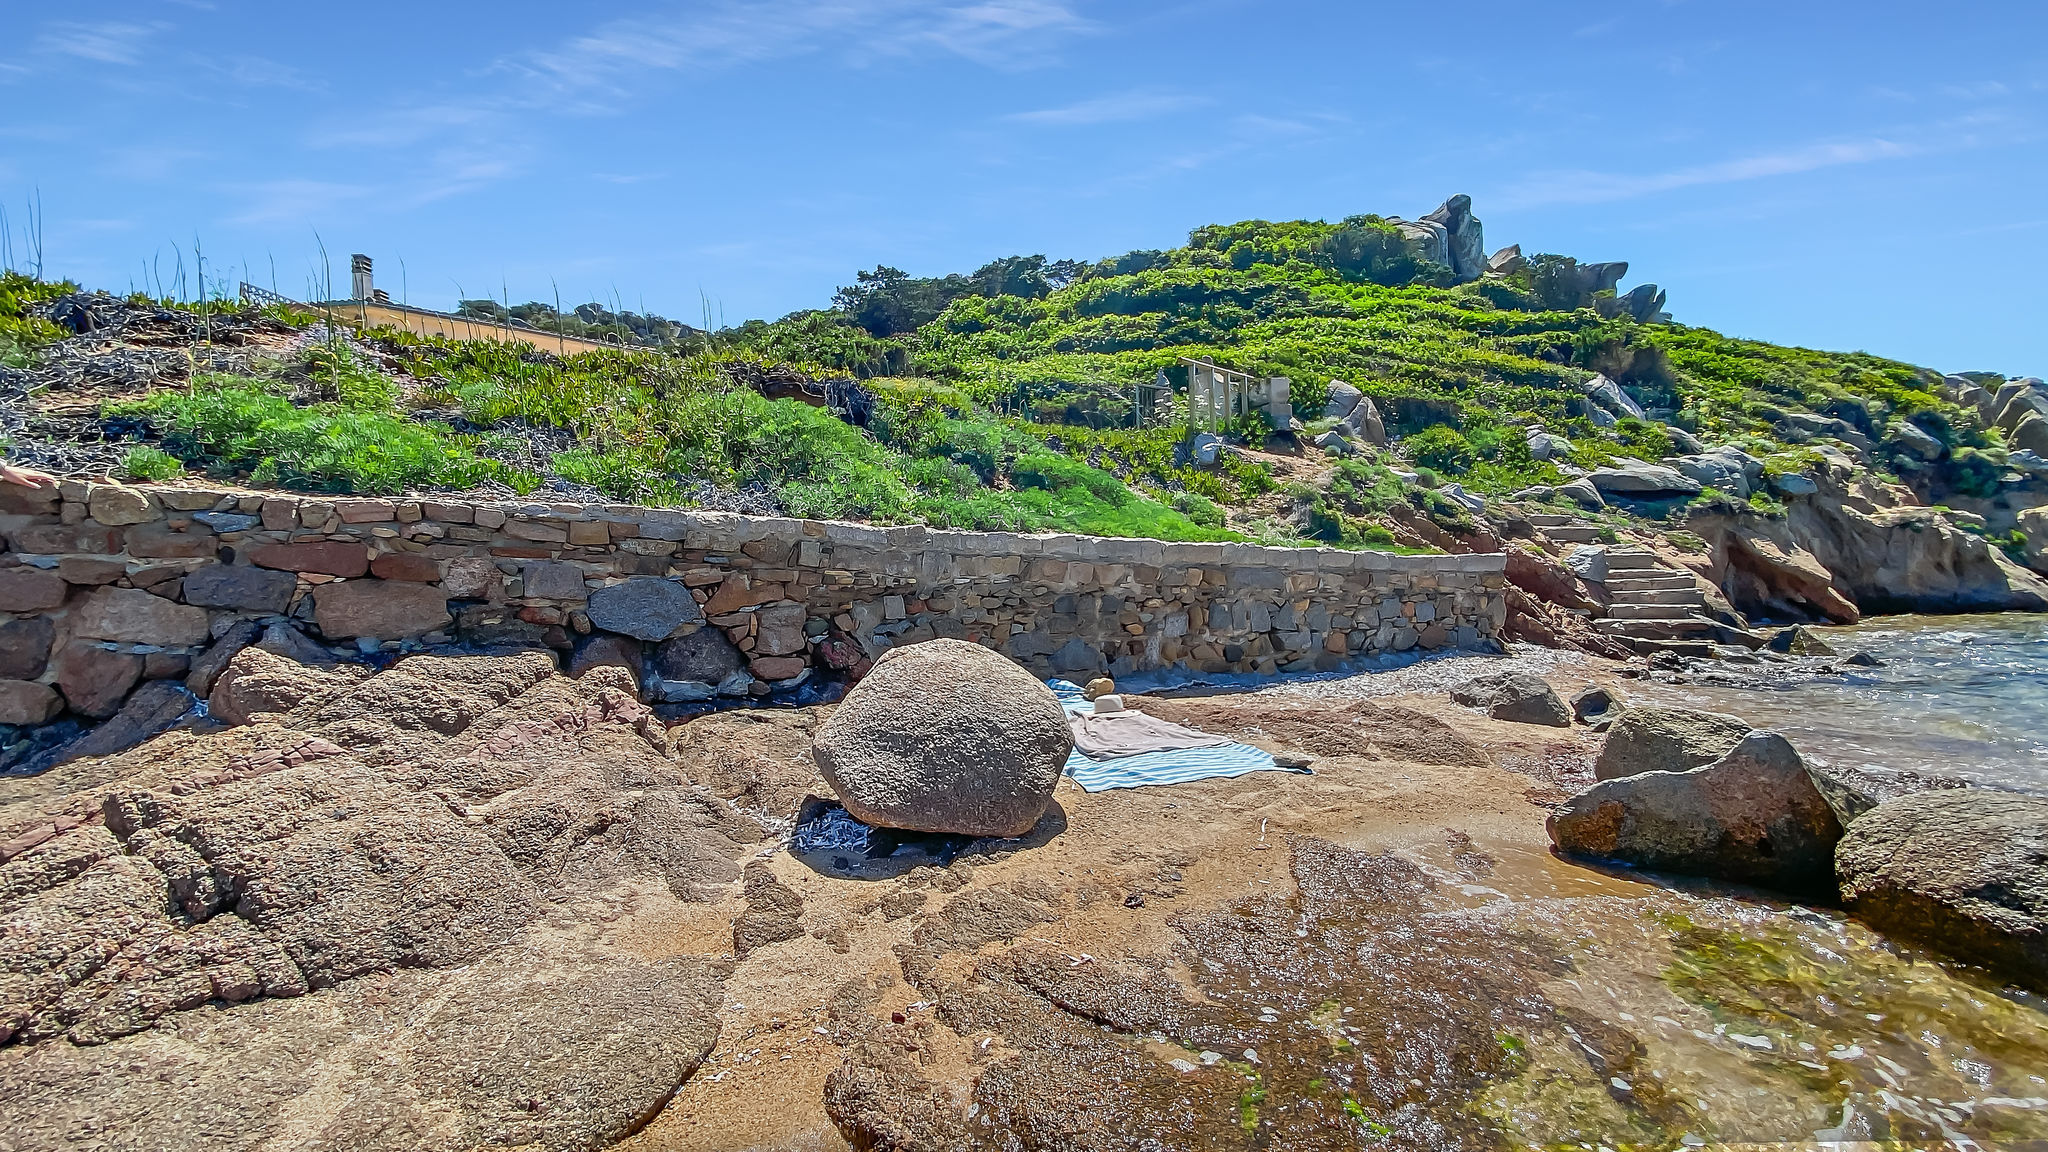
{"x": 104, "y": 587}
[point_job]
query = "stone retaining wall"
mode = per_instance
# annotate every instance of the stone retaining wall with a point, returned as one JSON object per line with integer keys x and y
{"x": 107, "y": 586}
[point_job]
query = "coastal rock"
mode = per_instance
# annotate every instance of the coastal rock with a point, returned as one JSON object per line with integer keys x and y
{"x": 416, "y": 878}
{"x": 1589, "y": 563}
{"x": 1597, "y": 708}
{"x": 2034, "y": 527}
{"x": 1754, "y": 816}
{"x": 946, "y": 736}
{"x": 133, "y": 616}
{"x": 1634, "y": 478}
{"x": 1610, "y": 396}
{"x": 1507, "y": 261}
{"x": 1582, "y": 492}
{"x": 1916, "y": 441}
{"x": 1962, "y": 870}
{"x": 645, "y": 608}
{"x": 150, "y": 709}
{"x": 604, "y": 650}
{"x": 257, "y": 682}
{"x": 208, "y": 666}
{"x": 1464, "y": 238}
{"x": 1666, "y": 740}
{"x": 1799, "y": 640}
{"x": 1517, "y": 697}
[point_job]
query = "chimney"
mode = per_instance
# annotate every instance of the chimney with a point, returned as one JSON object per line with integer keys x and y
{"x": 360, "y": 287}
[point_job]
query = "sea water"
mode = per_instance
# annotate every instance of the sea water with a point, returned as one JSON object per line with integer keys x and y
{"x": 1954, "y": 696}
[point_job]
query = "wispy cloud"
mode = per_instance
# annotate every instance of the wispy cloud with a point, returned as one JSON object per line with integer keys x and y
{"x": 294, "y": 201}
{"x": 106, "y": 41}
{"x": 1588, "y": 187}
{"x": 1118, "y": 108}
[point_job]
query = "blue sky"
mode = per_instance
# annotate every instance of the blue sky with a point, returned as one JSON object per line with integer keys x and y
{"x": 1869, "y": 175}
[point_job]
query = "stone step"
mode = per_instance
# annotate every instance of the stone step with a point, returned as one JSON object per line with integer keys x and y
{"x": 1636, "y": 579}
{"x": 1632, "y": 561}
{"x": 1701, "y": 648}
{"x": 1655, "y": 596}
{"x": 1650, "y": 611}
{"x": 1573, "y": 534}
{"x": 1550, "y": 519}
{"x": 1690, "y": 628}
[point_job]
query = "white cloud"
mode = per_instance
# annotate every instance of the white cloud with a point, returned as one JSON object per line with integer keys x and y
{"x": 294, "y": 201}
{"x": 1119, "y": 108}
{"x": 1588, "y": 187}
{"x": 106, "y": 41}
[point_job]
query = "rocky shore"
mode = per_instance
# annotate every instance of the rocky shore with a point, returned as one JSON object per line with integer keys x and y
{"x": 474, "y": 902}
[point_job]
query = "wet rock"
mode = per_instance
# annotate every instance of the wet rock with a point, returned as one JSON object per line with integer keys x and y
{"x": 149, "y": 710}
{"x": 705, "y": 655}
{"x": 644, "y": 607}
{"x": 94, "y": 680}
{"x": 1596, "y": 707}
{"x": 1799, "y": 640}
{"x": 1753, "y": 816}
{"x": 25, "y": 648}
{"x": 1517, "y": 697}
{"x": 242, "y": 589}
{"x": 1666, "y": 740}
{"x": 26, "y": 703}
{"x": 208, "y": 667}
{"x": 384, "y": 609}
{"x": 287, "y": 641}
{"x": 946, "y": 736}
{"x": 1963, "y": 870}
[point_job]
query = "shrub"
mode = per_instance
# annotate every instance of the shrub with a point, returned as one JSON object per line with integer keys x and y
{"x": 231, "y": 426}
{"x": 1441, "y": 448}
{"x": 145, "y": 462}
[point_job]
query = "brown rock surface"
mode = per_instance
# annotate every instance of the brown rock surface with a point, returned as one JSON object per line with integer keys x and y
{"x": 94, "y": 679}
{"x": 327, "y": 557}
{"x": 430, "y": 882}
{"x": 946, "y": 736}
{"x": 26, "y": 589}
{"x": 133, "y": 616}
{"x": 406, "y": 566}
{"x": 387, "y": 610}
{"x": 25, "y": 647}
{"x": 26, "y": 702}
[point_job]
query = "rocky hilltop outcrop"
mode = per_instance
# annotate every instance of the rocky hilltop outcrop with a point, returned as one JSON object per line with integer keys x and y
{"x": 388, "y": 912}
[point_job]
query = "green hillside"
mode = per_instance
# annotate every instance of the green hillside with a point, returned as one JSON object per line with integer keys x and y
{"x": 1003, "y": 398}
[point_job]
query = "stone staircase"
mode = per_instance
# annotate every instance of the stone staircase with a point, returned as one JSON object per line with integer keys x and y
{"x": 1651, "y": 607}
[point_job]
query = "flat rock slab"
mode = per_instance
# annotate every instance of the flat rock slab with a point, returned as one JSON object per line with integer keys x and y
{"x": 385, "y": 609}
{"x": 1963, "y": 870}
{"x": 244, "y": 589}
{"x": 645, "y": 608}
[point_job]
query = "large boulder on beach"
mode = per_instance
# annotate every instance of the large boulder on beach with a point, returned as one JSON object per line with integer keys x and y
{"x": 1666, "y": 740}
{"x": 1517, "y": 697}
{"x": 946, "y": 736}
{"x": 1754, "y": 817}
{"x": 1964, "y": 870}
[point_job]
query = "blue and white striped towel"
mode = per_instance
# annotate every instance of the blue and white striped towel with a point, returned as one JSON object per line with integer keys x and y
{"x": 1175, "y": 767}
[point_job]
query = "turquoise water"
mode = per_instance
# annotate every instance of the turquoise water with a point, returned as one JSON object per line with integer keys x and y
{"x": 1958, "y": 696}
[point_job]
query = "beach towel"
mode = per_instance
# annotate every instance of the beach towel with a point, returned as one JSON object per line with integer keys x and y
{"x": 1173, "y": 766}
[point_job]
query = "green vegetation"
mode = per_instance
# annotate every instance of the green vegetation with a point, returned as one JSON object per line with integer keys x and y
{"x": 1009, "y": 397}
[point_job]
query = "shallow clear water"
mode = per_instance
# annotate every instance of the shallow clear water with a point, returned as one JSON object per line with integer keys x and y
{"x": 1962, "y": 696}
